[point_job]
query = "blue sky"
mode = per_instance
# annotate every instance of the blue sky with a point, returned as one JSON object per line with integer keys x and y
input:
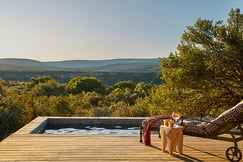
{"x": 50, "y": 30}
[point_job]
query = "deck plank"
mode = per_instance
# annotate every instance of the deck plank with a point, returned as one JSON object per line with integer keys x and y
{"x": 89, "y": 148}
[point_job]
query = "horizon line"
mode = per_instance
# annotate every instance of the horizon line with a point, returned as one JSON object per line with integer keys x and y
{"x": 130, "y": 58}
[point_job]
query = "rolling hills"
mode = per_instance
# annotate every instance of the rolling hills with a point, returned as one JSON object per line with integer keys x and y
{"x": 108, "y": 71}
{"x": 113, "y": 65}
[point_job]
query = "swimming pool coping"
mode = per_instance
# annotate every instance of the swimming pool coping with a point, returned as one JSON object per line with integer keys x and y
{"x": 37, "y": 125}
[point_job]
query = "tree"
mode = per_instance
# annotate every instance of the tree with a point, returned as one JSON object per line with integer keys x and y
{"x": 42, "y": 79}
{"x": 124, "y": 84}
{"x": 60, "y": 106}
{"x": 46, "y": 86}
{"x": 87, "y": 84}
{"x": 206, "y": 72}
{"x": 143, "y": 89}
{"x": 2, "y": 84}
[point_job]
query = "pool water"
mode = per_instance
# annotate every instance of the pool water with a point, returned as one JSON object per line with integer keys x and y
{"x": 94, "y": 130}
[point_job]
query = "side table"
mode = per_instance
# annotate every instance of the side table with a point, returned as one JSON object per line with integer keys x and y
{"x": 171, "y": 137}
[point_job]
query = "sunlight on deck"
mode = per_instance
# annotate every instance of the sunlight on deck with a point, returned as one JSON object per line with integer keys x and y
{"x": 23, "y": 146}
{"x": 37, "y": 147}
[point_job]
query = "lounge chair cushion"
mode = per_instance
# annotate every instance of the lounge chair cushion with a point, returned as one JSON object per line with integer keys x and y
{"x": 222, "y": 124}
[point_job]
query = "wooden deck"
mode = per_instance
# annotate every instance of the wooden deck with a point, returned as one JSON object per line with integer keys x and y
{"x": 25, "y": 147}
{"x": 38, "y": 147}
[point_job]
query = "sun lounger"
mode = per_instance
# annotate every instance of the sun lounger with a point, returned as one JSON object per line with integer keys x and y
{"x": 229, "y": 121}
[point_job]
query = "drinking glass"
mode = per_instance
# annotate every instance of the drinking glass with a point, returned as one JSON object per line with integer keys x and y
{"x": 175, "y": 116}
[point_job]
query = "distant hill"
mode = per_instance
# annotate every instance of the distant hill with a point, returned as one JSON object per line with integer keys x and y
{"x": 108, "y": 71}
{"x": 112, "y": 65}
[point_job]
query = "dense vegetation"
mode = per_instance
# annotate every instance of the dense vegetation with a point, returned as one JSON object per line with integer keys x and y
{"x": 81, "y": 96}
{"x": 204, "y": 75}
{"x": 108, "y": 78}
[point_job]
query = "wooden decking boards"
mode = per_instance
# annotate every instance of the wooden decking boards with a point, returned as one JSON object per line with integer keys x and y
{"x": 122, "y": 148}
{"x": 22, "y": 146}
